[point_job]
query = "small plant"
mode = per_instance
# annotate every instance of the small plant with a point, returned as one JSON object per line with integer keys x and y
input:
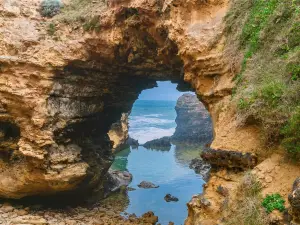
{"x": 272, "y": 202}
{"x": 291, "y": 134}
{"x": 272, "y": 91}
{"x": 251, "y": 186}
{"x": 92, "y": 24}
{"x": 51, "y": 29}
{"x": 50, "y": 8}
{"x": 243, "y": 104}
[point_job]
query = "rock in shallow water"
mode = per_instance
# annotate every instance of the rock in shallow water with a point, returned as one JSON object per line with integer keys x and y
{"x": 171, "y": 198}
{"x": 193, "y": 121}
{"x": 147, "y": 185}
{"x": 116, "y": 179}
{"x": 163, "y": 143}
{"x": 149, "y": 217}
{"x": 133, "y": 143}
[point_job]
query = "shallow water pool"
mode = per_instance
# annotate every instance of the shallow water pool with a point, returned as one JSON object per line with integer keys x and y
{"x": 169, "y": 170}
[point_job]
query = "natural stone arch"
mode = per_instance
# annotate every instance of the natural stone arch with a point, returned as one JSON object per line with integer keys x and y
{"x": 73, "y": 89}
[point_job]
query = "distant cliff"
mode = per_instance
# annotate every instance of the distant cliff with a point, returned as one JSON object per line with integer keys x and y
{"x": 193, "y": 121}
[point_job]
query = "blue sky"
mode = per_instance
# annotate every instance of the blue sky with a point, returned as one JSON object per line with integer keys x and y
{"x": 165, "y": 91}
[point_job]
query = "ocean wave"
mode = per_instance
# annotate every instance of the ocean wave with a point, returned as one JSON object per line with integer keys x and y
{"x": 150, "y": 133}
{"x": 153, "y": 115}
{"x": 143, "y": 120}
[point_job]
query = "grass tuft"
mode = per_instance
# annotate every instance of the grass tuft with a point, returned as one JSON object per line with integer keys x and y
{"x": 248, "y": 210}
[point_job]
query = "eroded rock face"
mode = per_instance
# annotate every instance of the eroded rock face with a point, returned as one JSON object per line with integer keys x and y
{"x": 62, "y": 95}
{"x": 294, "y": 199}
{"x": 193, "y": 121}
{"x": 118, "y": 133}
{"x": 201, "y": 167}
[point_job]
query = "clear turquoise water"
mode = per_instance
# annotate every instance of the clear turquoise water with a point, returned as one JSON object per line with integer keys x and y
{"x": 164, "y": 169}
{"x": 168, "y": 169}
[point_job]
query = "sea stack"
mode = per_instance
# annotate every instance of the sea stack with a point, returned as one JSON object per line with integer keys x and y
{"x": 193, "y": 121}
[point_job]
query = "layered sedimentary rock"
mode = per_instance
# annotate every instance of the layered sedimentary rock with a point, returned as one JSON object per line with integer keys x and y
{"x": 59, "y": 95}
{"x": 118, "y": 133}
{"x": 193, "y": 121}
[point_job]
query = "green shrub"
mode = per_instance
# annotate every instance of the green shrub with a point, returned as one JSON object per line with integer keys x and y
{"x": 272, "y": 91}
{"x": 291, "y": 132}
{"x": 50, "y": 8}
{"x": 293, "y": 71}
{"x": 272, "y": 202}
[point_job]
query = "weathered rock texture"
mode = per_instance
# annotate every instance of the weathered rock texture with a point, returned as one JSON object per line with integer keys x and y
{"x": 294, "y": 199}
{"x": 118, "y": 133}
{"x": 59, "y": 95}
{"x": 193, "y": 121}
{"x": 201, "y": 167}
{"x": 229, "y": 159}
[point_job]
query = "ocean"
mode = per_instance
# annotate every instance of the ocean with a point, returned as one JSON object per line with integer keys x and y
{"x": 152, "y": 119}
{"x": 168, "y": 169}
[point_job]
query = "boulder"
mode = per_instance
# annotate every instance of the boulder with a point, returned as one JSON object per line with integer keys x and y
{"x": 147, "y": 185}
{"x": 171, "y": 198}
{"x": 116, "y": 179}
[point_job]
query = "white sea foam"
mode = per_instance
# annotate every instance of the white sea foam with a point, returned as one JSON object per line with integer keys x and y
{"x": 150, "y": 133}
{"x": 142, "y": 120}
{"x": 153, "y": 115}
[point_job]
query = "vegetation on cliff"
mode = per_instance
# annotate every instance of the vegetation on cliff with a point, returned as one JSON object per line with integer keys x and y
{"x": 247, "y": 209}
{"x": 268, "y": 85}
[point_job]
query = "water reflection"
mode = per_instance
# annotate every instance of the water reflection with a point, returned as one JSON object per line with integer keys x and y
{"x": 169, "y": 170}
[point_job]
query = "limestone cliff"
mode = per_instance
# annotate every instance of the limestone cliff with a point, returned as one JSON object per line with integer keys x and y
{"x": 65, "y": 81}
{"x": 118, "y": 133}
{"x": 193, "y": 121}
{"x": 61, "y": 93}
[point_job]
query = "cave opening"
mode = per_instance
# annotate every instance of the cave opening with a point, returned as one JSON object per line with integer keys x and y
{"x": 166, "y": 130}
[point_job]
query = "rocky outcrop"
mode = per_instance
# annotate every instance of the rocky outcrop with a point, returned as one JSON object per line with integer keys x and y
{"x": 193, "y": 121}
{"x": 133, "y": 143}
{"x": 201, "y": 167}
{"x": 170, "y": 198}
{"x": 163, "y": 143}
{"x": 294, "y": 199}
{"x": 229, "y": 159}
{"x": 147, "y": 185}
{"x": 18, "y": 214}
{"x": 118, "y": 133}
{"x": 62, "y": 92}
{"x": 115, "y": 180}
